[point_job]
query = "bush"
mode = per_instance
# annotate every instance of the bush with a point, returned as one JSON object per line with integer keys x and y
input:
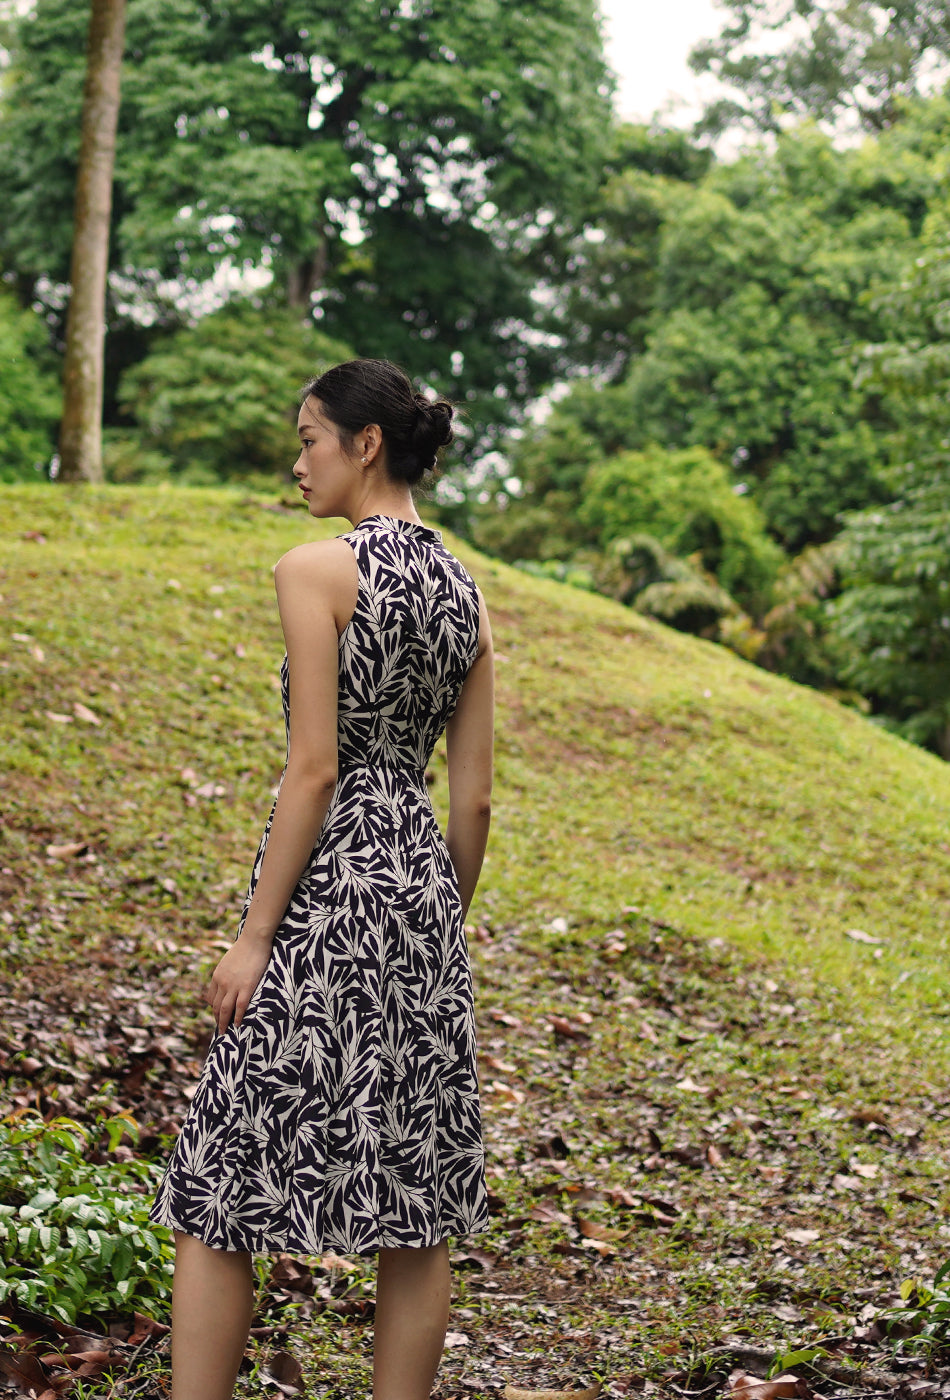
{"x": 217, "y": 400}
{"x": 74, "y": 1234}
{"x": 686, "y": 501}
{"x": 690, "y": 605}
{"x": 29, "y": 395}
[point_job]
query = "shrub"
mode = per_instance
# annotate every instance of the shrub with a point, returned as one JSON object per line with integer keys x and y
{"x": 217, "y": 400}
{"x": 29, "y": 395}
{"x": 687, "y": 502}
{"x": 74, "y": 1234}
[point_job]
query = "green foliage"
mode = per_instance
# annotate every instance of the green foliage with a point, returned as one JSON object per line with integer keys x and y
{"x": 614, "y": 263}
{"x": 895, "y": 608}
{"x": 74, "y": 1234}
{"x": 633, "y": 563}
{"x": 411, "y": 169}
{"x": 218, "y": 400}
{"x": 796, "y": 637}
{"x": 729, "y": 312}
{"x": 689, "y": 605}
{"x": 686, "y": 500}
{"x": 921, "y": 1322}
{"x": 29, "y": 395}
{"x": 841, "y": 61}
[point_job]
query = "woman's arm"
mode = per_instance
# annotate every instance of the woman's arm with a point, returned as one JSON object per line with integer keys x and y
{"x": 314, "y": 583}
{"x": 469, "y": 739}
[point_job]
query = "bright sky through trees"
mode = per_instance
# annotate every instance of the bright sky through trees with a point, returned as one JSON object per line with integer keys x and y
{"x": 648, "y": 46}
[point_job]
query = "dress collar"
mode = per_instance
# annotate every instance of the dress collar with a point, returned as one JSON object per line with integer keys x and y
{"x": 395, "y": 522}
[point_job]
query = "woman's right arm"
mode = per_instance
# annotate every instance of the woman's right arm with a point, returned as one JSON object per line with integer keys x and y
{"x": 469, "y": 738}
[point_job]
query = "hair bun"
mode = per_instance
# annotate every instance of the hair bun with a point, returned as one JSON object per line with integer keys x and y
{"x": 434, "y": 418}
{"x": 432, "y": 430}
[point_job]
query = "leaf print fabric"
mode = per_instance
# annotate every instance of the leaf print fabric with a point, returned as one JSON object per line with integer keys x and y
{"x": 343, "y": 1112}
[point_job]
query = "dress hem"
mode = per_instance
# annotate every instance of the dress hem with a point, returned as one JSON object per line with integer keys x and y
{"x": 288, "y": 1245}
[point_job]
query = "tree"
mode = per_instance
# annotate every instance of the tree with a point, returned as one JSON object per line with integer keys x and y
{"x": 894, "y": 611}
{"x": 739, "y": 305}
{"x": 217, "y": 401}
{"x": 80, "y": 441}
{"x": 840, "y": 61}
{"x": 613, "y": 263}
{"x": 407, "y": 173}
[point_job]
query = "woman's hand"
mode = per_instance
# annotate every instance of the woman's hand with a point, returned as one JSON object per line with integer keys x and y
{"x": 235, "y": 980}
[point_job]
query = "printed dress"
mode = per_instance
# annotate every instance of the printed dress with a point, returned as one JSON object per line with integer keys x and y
{"x": 343, "y": 1113}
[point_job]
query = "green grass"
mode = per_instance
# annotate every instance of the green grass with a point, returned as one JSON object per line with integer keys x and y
{"x": 681, "y": 844}
{"x": 636, "y": 766}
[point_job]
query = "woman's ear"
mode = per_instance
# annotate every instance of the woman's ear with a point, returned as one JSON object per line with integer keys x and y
{"x": 370, "y": 442}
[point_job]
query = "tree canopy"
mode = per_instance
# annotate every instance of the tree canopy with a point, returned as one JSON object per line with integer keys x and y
{"x": 407, "y": 171}
{"x": 843, "y": 62}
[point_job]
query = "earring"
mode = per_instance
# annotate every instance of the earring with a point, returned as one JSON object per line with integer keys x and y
{"x": 362, "y": 459}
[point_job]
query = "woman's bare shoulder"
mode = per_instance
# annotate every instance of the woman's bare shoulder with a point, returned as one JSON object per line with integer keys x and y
{"x": 316, "y": 559}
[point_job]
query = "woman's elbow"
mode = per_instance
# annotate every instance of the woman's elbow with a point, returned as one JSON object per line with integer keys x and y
{"x": 475, "y": 806}
{"x": 318, "y": 777}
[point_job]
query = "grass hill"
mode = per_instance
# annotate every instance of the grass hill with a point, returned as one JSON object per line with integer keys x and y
{"x": 710, "y": 938}
{"x": 636, "y": 766}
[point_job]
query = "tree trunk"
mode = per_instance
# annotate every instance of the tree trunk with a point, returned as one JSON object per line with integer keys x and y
{"x": 304, "y": 278}
{"x": 80, "y": 439}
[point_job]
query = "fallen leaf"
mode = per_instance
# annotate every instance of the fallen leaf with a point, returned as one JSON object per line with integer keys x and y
{"x": 330, "y": 1260}
{"x": 290, "y": 1273}
{"x": 513, "y": 1392}
{"x": 865, "y": 1169}
{"x": 593, "y": 1230}
{"x": 504, "y": 1018}
{"x": 745, "y": 1387}
{"x": 457, "y": 1339}
{"x": 479, "y": 1257}
{"x": 501, "y": 1066}
{"x": 71, "y": 848}
{"x": 285, "y": 1371}
{"x": 689, "y": 1086}
{"x": 857, "y": 935}
{"x": 547, "y": 1215}
{"x": 84, "y": 713}
{"x": 560, "y": 1025}
{"x": 57, "y": 718}
{"x": 803, "y": 1236}
{"x": 146, "y": 1327}
{"x": 26, "y": 1370}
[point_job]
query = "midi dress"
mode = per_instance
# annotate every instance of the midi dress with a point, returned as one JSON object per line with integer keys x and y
{"x": 343, "y": 1112}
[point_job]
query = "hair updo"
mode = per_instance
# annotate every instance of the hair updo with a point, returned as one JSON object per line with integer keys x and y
{"x": 360, "y": 392}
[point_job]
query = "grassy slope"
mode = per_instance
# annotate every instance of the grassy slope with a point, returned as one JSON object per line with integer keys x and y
{"x": 666, "y": 1111}
{"x": 636, "y": 766}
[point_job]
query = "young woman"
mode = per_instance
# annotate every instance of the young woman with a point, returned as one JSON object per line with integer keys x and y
{"x": 338, "y": 1107}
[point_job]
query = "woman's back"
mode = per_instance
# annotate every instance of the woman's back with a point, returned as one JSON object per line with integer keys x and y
{"x": 407, "y": 648}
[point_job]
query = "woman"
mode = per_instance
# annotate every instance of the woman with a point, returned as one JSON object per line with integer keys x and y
{"x": 338, "y": 1107}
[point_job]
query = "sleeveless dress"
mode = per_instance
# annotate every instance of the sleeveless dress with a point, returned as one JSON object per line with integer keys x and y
{"x": 343, "y": 1113}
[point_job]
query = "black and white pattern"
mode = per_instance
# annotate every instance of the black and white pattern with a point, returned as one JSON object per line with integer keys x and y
{"x": 343, "y": 1113}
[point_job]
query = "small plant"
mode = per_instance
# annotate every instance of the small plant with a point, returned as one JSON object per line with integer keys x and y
{"x": 74, "y": 1234}
{"x": 923, "y": 1317}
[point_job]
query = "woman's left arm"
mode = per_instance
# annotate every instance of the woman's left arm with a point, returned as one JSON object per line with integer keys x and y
{"x": 310, "y": 584}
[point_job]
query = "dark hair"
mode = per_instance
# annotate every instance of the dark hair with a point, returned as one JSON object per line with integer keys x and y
{"x": 414, "y": 428}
